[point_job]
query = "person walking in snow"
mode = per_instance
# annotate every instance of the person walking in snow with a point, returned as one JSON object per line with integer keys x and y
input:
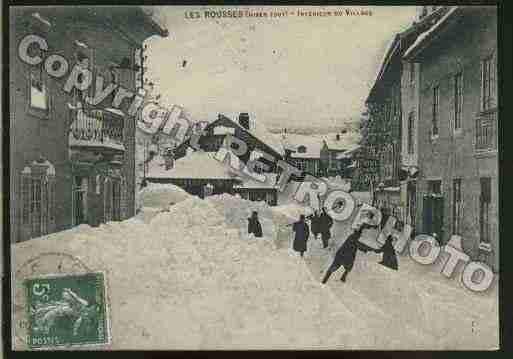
{"x": 302, "y": 232}
{"x": 384, "y": 217}
{"x": 389, "y": 257}
{"x": 346, "y": 254}
{"x": 314, "y": 223}
{"x": 254, "y": 225}
{"x": 325, "y": 223}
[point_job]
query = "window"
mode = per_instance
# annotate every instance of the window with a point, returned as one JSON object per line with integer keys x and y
{"x": 456, "y": 206}
{"x": 38, "y": 91}
{"x": 435, "y": 187}
{"x": 410, "y": 138}
{"x": 488, "y": 83}
{"x": 436, "y": 111}
{"x": 458, "y": 100}
{"x": 484, "y": 213}
{"x": 37, "y": 199}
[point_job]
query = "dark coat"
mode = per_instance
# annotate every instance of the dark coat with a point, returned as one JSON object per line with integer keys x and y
{"x": 325, "y": 223}
{"x": 301, "y": 236}
{"x": 384, "y": 218}
{"x": 315, "y": 223}
{"x": 254, "y": 227}
{"x": 389, "y": 257}
{"x": 346, "y": 254}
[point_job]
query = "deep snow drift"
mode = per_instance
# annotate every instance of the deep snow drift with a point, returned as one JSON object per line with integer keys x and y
{"x": 159, "y": 195}
{"x": 190, "y": 278}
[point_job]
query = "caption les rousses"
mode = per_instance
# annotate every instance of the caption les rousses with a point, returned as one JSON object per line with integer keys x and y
{"x": 339, "y": 204}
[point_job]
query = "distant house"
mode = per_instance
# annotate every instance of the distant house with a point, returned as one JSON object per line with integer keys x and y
{"x": 201, "y": 174}
{"x": 253, "y": 190}
{"x": 198, "y": 173}
{"x": 347, "y": 162}
{"x": 251, "y": 132}
{"x": 304, "y": 153}
{"x": 332, "y": 149}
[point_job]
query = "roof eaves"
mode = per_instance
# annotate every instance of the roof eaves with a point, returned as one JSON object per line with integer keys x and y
{"x": 384, "y": 66}
{"x": 433, "y": 36}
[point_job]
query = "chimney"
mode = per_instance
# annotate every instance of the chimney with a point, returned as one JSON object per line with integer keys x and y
{"x": 244, "y": 120}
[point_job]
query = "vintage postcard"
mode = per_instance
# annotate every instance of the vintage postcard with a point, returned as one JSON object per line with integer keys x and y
{"x": 254, "y": 177}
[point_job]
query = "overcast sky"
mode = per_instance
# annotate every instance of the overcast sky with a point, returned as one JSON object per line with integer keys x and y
{"x": 293, "y": 70}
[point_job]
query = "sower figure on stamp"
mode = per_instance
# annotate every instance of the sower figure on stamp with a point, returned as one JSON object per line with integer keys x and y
{"x": 302, "y": 232}
{"x": 346, "y": 254}
{"x": 254, "y": 225}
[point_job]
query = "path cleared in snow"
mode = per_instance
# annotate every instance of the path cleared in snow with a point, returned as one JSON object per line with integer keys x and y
{"x": 191, "y": 278}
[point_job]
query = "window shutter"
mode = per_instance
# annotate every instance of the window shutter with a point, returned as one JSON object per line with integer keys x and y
{"x": 123, "y": 200}
{"x": 43, "y": 213}
{"x": 493, "y": 79}
{"x": 26, "y": 192}
{"x": 481, "y": 106}
{"x": 51, "y": 203}
{"x": 107, "y": 198}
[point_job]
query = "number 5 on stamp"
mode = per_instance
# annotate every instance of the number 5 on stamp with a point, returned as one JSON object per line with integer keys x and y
{"x": 67, "y": 310}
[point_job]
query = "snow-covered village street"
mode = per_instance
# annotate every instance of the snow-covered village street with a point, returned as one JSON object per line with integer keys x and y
{"x": 191, "y": 278}
{"x": 254, "y": 177}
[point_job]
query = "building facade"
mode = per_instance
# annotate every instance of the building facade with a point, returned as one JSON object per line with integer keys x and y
{"x": 388, "y": 160}
{"x": 70, "y": 162}
{"x": 457, "y": 185}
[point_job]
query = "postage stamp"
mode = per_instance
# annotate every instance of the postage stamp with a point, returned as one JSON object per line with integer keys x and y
{"x": 66, "y": 310}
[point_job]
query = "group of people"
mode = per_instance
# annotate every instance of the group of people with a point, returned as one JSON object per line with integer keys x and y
{"x": 345, "y": 256}
{"x": 321, "y": 224}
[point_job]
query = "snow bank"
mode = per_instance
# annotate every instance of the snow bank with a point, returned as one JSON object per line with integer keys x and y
{"x": 158, "y": 195}
{"x": 188, "y": 278}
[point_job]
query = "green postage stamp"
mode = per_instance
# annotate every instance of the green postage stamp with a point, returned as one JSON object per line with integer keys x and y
{"x": 67, "y": 310}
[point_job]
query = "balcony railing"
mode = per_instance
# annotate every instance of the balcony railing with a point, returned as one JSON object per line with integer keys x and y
{"x": 486, "y": 131}
{"x": 99, "y": 129}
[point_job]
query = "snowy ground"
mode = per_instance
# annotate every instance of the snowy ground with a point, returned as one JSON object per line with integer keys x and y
{"x": 190, "y": 278}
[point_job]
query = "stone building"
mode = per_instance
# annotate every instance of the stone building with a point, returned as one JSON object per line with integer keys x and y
{"x": 386, "y": 161}
{"x": 457, "y": 184}
{"x": 71, "y": 162}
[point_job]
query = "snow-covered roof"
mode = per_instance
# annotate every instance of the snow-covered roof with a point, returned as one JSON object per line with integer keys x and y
{"x": 392, "y": 46}
{"x": 223, "y": 130}
{"x": 198, "y": 164}
{"x": 312, "y": 149}
{"x": 346, "y": 141}
{"x": 422, "y": 37}
{"x": 248, "y": 182}
{"x": 260, "y": 132}
{"x": 348, "y": 153}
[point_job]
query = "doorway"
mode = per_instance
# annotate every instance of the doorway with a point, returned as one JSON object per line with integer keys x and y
{"x": 79, "y": 200}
